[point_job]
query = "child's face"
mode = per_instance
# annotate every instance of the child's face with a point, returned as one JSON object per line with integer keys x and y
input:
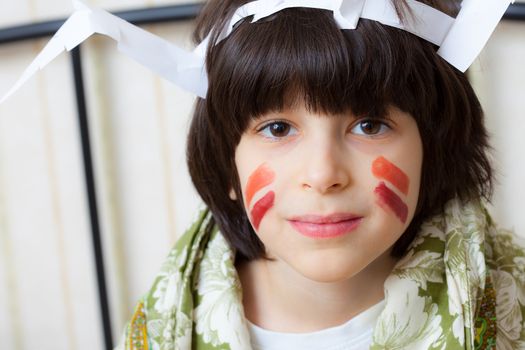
{"x": 329, "y": 195}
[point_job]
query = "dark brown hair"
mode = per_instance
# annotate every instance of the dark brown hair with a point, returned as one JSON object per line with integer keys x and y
{"x": 302, "y": 53}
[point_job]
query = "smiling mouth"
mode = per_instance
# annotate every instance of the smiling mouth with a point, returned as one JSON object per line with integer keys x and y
{"x": 325, "y": 227}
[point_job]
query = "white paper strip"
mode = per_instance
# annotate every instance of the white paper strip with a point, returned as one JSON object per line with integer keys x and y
{"x": 471, "y": 30}
{"x": 59, "y": 43}
{"x": 425, "y": 21}
{"x": 186, "y": 69}
{"x": 263, "y": 8}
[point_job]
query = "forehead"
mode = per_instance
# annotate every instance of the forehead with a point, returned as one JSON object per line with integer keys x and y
{"x": 275, "y": 65}
{"x": 297, "y": 108}
{"x": 301, "y": 115}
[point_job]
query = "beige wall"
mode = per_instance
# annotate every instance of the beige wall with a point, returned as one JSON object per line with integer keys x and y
{"x": 138, "y": 124}
{"x": 499, "y": 79}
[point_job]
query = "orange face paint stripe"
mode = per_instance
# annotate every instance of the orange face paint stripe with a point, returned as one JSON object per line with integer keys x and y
{"x": 261, "y": 207}
{"x": 389, "y": 200}
{"x": 261, "y": 177}
{"x": 383, "y": 169}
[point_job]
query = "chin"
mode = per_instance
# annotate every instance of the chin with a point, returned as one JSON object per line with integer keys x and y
{"x": 329, "y": 270}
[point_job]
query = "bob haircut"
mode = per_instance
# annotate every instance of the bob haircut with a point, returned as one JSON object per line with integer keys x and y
{"x": 300, "y": 54}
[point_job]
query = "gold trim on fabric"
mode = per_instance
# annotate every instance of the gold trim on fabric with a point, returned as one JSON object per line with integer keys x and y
{"x": 138, "y": 333}
{"x": 486, "y": 321}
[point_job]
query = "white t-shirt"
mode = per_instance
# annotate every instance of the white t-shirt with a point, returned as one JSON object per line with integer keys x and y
{"x": 356, "y": 334}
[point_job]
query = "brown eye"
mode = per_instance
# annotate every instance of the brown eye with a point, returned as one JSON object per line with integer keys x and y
{"x": 279, "y": 129}
{"x": 276, "y": 130}
{"x": 370, "y": 127}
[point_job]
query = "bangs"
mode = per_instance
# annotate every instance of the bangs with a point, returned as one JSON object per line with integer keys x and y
{"x": 300, "y": 55}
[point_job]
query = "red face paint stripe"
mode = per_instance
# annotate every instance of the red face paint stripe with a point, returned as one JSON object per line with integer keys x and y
{"x": 261, "y": 207}
{"x": 387, "y": 199}
{"x": 383, "y": 169}
{"x": 261, "y": 177}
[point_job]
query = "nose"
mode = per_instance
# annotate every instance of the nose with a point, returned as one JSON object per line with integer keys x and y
{"x": 324, "y": 167}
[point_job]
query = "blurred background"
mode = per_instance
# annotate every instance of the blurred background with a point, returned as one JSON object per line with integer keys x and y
{"x": 50, "y": 272}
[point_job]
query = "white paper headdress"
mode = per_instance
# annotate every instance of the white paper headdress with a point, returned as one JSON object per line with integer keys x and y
{"x": 460, "y": 40}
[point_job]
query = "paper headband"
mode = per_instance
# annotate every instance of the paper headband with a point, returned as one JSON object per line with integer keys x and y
{"x": 460, "y": 40}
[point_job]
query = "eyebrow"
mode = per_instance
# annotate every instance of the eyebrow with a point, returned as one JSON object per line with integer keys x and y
{"x": 287, "y": 112}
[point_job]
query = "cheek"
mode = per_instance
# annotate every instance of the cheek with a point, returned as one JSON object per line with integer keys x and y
{"x": 386, "y": 198}
{"x": 390, "y": 201}
{"x": 261, "y": 177}
{"x": 261, "y": 207}
{"x": 383, "y": 169}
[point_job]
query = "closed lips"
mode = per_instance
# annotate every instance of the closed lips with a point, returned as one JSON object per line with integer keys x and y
{"x": 325, "y": 227}
{"x": 325, "y": 219}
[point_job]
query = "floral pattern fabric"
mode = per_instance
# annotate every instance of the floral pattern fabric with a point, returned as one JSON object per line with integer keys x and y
{"x": 461, "y": 285}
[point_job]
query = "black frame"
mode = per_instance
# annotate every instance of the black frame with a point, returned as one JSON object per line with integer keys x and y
{"x": 140, "y": 16}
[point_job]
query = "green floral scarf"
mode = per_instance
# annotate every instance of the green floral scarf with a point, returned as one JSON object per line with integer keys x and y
{"x": 461, "y": 285}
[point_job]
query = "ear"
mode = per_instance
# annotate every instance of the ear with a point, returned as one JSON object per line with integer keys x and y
{"x": 232, "y": 195}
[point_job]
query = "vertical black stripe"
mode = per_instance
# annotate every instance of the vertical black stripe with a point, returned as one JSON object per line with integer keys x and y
{"x": 92, "y": 199}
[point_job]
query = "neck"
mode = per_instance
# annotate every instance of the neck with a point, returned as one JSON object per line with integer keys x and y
{"x": 277, "y": 298}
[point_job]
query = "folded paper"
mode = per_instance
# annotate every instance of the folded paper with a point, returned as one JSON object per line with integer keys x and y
{"x": 460, "y": 40}
{"x": 184, "y": 68}
{"x": 471, "y": 30}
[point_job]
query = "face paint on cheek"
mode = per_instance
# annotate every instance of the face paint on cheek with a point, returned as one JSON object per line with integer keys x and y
{"x": 261, "y": 177}
{"x": 261, "y": 207}
{"x": 383, "y": 169}
{"x": 389, "y": 200}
